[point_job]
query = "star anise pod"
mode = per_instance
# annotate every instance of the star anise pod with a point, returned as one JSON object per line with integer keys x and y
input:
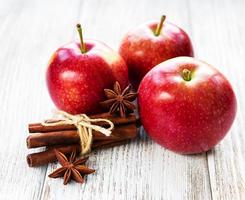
{"x": 119, "y": 101}
{"x": 71, "y": 169}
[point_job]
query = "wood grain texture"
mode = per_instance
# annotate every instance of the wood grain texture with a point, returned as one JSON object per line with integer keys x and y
{"x": 31, "y": 30}
{"x": 221, "y": 43}
{"x": 142, "y": 169}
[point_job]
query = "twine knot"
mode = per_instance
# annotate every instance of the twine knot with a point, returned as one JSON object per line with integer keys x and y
{"x": 84, "y": 127}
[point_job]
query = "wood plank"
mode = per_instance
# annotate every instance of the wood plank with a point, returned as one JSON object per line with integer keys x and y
{"x": 29, "y": 32}
{"x": 218, "y": 34}
{"x": 141, "y": 169}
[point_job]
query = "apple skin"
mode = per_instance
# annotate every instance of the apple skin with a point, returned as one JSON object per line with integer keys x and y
{"x": 186, "y": 117}
{"x": 76, "y": 80}
{"x": 142, "y": 50}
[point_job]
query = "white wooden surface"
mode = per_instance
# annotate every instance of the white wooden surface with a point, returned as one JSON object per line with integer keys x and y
{"x": 30, "y": 30}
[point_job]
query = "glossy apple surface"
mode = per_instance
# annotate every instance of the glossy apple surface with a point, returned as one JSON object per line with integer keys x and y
{"x": 76, "y": 80}
{"x": 142, "y": 49}
{"x": 186, "y": 105}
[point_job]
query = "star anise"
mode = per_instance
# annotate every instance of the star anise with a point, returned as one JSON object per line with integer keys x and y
{"x": 119, "y": 101}
{"x": 71, "y": 169}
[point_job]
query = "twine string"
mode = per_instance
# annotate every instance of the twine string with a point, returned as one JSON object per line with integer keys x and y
{"x": 84, "y": 126}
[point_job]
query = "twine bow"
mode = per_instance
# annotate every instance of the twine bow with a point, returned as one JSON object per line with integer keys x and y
{"x": 84, "y": 127}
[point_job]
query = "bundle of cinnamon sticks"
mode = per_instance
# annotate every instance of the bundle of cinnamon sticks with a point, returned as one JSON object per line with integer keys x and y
{"x": 65, "y": 137}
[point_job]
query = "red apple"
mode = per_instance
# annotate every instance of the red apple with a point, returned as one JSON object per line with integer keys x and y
{"x": 186, "y": 105}
{"x": 78, "y": 73}
{"x": 150, "y": 44}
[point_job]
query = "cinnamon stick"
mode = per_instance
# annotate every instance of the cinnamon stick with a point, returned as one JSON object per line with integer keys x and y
{"x": 38, "y": 127}
{"x": 45, "y": 157}
{"x": 71, "y": 136}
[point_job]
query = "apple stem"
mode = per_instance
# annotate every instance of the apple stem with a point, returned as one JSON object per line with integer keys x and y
{"x": 79, "y": 29}
{"x": 186, "y": 74}
{"x": 159, "y": 26}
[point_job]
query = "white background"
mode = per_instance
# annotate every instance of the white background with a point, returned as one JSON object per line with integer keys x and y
{"x": 31, "y": 30}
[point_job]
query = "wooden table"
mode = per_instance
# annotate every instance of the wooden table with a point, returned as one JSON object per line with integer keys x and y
{"x": 31, "y": 30}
